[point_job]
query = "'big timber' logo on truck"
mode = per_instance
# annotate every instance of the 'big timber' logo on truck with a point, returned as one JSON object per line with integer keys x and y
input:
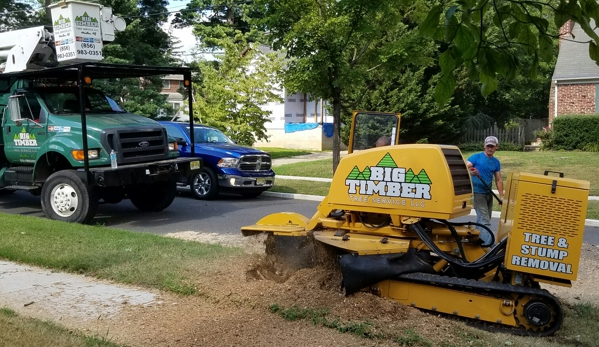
{"x": 386, "y": 179}
{"x": 86, "y": 21}
{"x": 62, "y": 23}
{"x": 25, "y": 139}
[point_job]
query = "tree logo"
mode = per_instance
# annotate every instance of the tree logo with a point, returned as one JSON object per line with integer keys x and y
{"x": 387, "y": 179}
{"x": 24, "y": 139}
{"x": 86, "y": 21}
{"x": 62, "y": 23}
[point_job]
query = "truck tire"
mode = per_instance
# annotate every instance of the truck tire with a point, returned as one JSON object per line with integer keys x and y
{"x": 66, "y": 198}
{"x": 204, "y": 184}
{"x": 153, "y": 197}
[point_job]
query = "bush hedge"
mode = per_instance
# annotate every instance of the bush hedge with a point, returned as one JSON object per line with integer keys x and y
{"x": 576, "y": 132}
{"x": 477, "y": 146}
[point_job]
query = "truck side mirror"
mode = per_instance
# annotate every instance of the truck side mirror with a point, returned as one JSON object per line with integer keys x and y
{"x": 13, "y": 108}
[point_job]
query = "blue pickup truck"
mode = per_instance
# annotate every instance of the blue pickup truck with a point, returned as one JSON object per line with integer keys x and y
{"x": 227, "y": 167}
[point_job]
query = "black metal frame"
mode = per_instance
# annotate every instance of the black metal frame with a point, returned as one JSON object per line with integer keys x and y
{"x": 77, "y": 72}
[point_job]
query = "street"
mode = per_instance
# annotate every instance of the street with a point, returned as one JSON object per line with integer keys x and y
{"x": 225, "y": 215}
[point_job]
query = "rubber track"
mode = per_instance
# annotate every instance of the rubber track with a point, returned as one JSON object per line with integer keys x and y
{"x": 486, "y": 288}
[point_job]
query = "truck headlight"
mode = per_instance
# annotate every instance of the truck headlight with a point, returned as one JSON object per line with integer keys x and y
{"x": 173, "y": 146}
{"x": 228, "y": 162}
{"x": 91, "y": 154}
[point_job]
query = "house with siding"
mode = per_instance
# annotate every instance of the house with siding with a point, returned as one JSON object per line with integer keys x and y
{"x": 575, "y": 80}
{"x": 170, "y": 87}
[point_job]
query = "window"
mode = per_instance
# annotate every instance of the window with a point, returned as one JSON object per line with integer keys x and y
{"x": 166, "y": 84}
{"x": 204, "y": 135}
{"x": 174, "y": 131}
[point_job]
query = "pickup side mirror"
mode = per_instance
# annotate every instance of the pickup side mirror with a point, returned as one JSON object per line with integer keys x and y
{"x": 181, "y": 141}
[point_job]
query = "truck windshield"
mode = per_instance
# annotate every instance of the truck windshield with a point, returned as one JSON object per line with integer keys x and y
{"x": 66, "y": 100}
{"x": 207, "y": 135}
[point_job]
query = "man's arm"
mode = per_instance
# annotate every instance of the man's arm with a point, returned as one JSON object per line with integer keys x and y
{"x": 473, "y": 171}
{"x": 499, "y": 183}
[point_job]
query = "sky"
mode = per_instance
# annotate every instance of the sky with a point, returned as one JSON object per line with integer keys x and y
{"x": 188, "y": 41}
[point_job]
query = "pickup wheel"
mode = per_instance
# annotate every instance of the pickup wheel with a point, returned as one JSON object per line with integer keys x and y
{"x": 66, "y": 198}
{"x": 204, "y": 184}
{"x": 153, "y": 197}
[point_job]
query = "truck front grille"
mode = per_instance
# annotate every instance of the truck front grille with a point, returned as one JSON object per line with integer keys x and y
{"x": 254, "y": 162}
{"x": 135, "y": 146}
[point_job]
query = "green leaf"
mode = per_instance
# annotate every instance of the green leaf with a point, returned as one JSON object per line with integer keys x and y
{"x": 446, "y": 62}
{"x": 532, "y": 73}
{"x": 431, "y": 22}
{"x": 560, "y": 17}
{"x": 514, "y": 29}
{"x": 472, "y": 71}
{"x": 444, "y": 89}
{"x": 451, "y": 27}
{"x": 488, "y": 83}
{"x": 541, "y": 23}
{"x": 546, "y": 48}
{"x": 529, "y": 39}
{"x": 465, "y": 42}
{"x": 594, "y": 51}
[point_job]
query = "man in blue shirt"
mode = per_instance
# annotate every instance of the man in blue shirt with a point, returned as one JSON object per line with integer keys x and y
{"x": 485, "y": 166}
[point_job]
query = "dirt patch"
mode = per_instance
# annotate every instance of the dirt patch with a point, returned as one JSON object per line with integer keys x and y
{"x": 233, "y": 306}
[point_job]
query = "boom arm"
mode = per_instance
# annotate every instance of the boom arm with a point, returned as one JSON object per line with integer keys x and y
{"x": 27, "y": 49}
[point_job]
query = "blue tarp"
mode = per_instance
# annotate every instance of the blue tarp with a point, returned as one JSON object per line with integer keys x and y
{"x": 293, "y": 127}
{"x": 327, "y": 128}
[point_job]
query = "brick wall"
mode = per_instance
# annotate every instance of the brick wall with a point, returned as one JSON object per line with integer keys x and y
{"x": 573, "y": 99}
{"x": 174, "y": 87}
{"x": 551, "y": 102}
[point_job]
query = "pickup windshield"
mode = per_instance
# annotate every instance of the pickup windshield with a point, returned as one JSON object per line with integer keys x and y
{"x": 66, "y": 101}
{"x": 207, "y": 135}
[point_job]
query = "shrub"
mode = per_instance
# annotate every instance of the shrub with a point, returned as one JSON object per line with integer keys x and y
{"x": 477, "y": 146}
{"x": 546, "y": 136}
{"x": 576, "y": 132}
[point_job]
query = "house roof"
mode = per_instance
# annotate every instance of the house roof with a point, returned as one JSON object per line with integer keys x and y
{"x": 573, "y": 61}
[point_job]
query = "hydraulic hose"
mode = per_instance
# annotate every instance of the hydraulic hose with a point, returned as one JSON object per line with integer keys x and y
{"x": 483, "y": 264}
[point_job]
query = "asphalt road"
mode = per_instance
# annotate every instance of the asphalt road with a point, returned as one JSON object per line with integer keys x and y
{"x": 225, "y": 215}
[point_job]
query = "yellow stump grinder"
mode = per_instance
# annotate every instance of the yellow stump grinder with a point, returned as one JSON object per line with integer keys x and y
{"x": 391, "y": 216}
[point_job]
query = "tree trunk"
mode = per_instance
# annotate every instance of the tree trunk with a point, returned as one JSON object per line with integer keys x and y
{"x": 48, "y": 12}
{"x": 336, "y": 128}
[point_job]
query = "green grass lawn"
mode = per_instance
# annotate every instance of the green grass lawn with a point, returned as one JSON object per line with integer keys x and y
{"x": 135, "y": 258}
{"x": 276, "y": 152}
{"x": 20, "y": 331}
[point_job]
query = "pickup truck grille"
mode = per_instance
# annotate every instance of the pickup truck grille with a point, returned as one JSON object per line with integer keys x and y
{"x": 254, "y": 162}
{"x": 135, "y": 146}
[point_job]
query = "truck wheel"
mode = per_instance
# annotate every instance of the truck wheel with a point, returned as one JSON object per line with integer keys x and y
{"x": 153, "y": 197}
{"x": 204, "y": 184}
{"x": 66, "y": 198}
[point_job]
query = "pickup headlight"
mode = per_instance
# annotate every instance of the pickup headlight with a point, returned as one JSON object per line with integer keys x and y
{"x": 91, "y": 154}
{"x": 228, "y": 162}
{"x": 173, "y": 146}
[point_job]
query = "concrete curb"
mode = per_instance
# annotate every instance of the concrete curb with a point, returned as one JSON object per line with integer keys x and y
{"x": 495, "y": 214}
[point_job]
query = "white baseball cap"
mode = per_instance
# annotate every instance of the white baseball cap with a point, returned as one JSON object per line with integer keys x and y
{"x": 491, "y": 140}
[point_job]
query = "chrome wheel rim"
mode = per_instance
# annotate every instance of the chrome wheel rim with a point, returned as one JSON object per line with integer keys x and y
{"x": 64, "y": 200}
{"x": 202, "y": 183}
